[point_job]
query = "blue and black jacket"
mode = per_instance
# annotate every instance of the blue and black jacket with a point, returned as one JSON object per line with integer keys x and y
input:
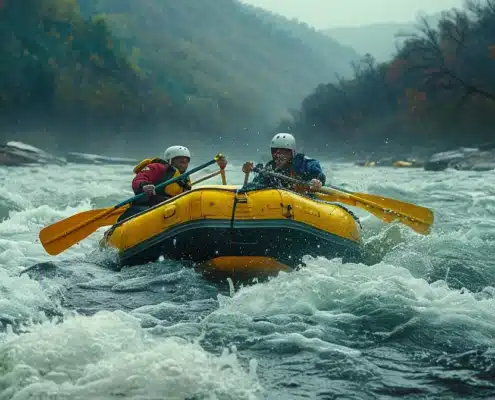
{"x": 301, "y": 167}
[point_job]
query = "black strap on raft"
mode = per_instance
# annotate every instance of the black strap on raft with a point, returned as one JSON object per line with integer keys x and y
{"x": 234, "y": 206}
{"x": 232, "y": 219}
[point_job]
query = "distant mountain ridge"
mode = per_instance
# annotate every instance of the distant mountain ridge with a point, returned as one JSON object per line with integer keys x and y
{"x": 377, "y": 39}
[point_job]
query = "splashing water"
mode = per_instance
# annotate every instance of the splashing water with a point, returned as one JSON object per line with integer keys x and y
{"x": 416, "y": 319}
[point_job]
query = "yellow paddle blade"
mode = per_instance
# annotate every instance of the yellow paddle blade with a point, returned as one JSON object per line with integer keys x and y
{"x": 423, "y": 214}
{"x": 388, "y": 210}
{"x": 63, "y": 234}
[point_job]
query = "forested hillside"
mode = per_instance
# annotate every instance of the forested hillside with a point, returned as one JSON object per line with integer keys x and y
{"x": 334, "y": 56}
{"x": 64, "y": 78}
{"x": 121, "y": 66}
{"x": 223, "y": 61}
{"x": 438, "y": 91}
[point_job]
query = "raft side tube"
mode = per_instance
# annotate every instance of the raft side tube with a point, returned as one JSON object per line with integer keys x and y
{"x": 215, "y": 221}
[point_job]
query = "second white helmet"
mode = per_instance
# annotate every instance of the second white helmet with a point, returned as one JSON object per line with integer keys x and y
{"x": 283, "y": 141}
{"x": 176, "y": 151}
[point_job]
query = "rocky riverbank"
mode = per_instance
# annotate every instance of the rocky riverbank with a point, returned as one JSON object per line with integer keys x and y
{"x": 18, "y": 154}
{"x": 481, "y": 158}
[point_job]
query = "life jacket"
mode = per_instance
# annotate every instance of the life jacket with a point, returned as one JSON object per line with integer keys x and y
{"x": 290, "y": 172}
{"x": 174, "y": 188}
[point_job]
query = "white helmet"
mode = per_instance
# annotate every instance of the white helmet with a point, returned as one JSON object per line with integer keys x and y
{"x": 176, "y": 151}
{"x": 283, "y": 141}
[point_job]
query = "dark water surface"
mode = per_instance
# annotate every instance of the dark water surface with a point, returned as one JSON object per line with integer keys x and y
{"x": 417, "y": 320}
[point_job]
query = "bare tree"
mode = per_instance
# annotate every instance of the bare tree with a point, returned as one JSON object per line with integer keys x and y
{"x": 436, "y": 53}
{"x": 480, "y": 10}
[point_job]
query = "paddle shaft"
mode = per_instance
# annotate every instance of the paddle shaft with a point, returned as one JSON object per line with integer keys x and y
{"x": 206, "y": 177}
{"x": 166, "y": 183}
{"x": 132, "y": 199}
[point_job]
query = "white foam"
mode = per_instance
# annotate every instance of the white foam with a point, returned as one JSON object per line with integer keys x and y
{"x": 109, "y": 354}
{"x": 328, "y": 291}
{"x": 88, "y": 357}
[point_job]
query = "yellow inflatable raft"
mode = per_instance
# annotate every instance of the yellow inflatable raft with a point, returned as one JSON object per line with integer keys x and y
{"x": 228, "y": 232}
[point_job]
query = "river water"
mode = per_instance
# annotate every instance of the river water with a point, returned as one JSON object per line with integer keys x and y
{"x": 416, "y": 320}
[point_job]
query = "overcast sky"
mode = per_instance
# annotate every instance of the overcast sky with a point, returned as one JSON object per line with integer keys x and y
{"x": 331, "y": 13}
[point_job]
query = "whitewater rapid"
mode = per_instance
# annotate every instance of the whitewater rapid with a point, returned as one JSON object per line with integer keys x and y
{"x": 417, "y": 319}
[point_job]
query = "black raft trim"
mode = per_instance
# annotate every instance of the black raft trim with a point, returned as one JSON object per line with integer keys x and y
{"x": 227, "y": 225}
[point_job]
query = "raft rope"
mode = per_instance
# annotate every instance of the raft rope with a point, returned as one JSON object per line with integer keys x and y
{"x": 356, "y": 218}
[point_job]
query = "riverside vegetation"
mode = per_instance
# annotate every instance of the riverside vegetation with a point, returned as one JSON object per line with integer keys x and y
{"x": 437, "y": 92}
{"x": 79, "y": 69}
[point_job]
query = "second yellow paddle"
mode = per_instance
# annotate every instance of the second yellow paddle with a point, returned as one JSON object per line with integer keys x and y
{"x": 416, "y": 217}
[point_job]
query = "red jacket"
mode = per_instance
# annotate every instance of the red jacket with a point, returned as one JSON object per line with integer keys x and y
{"x": 155, "y": 174}
{"x": 151, "y": 174}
